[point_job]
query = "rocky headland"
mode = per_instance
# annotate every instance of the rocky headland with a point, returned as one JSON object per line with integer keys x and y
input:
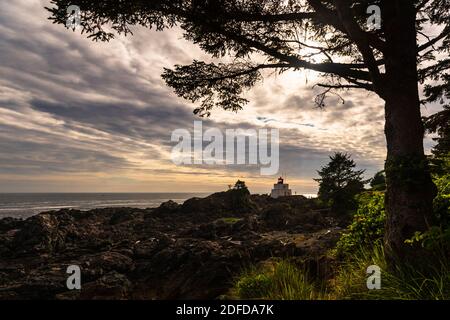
{"x": 188, "y": 251}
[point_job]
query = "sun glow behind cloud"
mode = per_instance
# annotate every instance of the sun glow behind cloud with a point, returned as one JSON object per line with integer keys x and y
{"x": 80, "y": 116}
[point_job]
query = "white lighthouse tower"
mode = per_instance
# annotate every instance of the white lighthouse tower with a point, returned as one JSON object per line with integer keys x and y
{"x": 280, "y": 189}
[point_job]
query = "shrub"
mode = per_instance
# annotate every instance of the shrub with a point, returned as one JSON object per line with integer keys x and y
{"x": 281, "y": 281}
{"x": 253, "y": 286}
{"x": 404, "y": 282}
{"x": 368, "y": 223}
{"x": 441, "y": 203}
{"x": 285, "y": 281}
{"x": 437, "y": 238}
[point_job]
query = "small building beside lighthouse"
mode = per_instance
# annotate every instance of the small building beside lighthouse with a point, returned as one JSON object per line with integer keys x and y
{"x": 280, "y": 189}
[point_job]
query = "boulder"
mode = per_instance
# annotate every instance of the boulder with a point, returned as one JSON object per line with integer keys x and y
{"x": 39, "y": 234}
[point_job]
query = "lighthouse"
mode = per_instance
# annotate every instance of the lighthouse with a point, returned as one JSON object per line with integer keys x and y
{"x": 280, "y": 189}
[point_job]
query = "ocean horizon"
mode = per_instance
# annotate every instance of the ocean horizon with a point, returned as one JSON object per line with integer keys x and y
{"x": 25, "y": 205}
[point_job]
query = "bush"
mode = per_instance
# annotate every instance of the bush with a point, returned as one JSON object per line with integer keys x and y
{"x": 441, "y": 203}
{"x": 437, "y": 238}
{"x": 368, "y": 223}
{"x": 281, "y": 281}
{"x": 405, "y": 282}
{"x": 285, "y": 281}
{"x": 252, "y": 286}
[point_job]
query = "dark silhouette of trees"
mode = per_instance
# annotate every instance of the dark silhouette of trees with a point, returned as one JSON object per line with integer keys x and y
{"x": 239, "y": 196}
{"x": 440, "y": 123}
{"x": 378, "y": 182}
{"x": 327, "y": 36}
{"x": 240, "y": 185}
{"x": 339, "y": 183}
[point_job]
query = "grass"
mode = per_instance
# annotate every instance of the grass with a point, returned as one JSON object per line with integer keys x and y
{"x": 283, "y": 280}
{"x": 403, "y": 283}
{"x": 280, "y": 280}
{"x": 230, "y": 220}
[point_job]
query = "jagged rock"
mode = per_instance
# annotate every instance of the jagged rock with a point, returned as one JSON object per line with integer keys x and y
{"x": 168, "y": 207}
{"x": 188, "y": 251}
{"x": 111, "y": 286}
{"x": 120, "y": 217}
{"x": 230, "y": 202}
{"x": 39, "y": 234}
{"x": 9, "y": 224}
{"x": 108, "y": 261}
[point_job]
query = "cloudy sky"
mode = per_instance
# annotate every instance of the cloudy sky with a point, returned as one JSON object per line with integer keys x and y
{"x": 82, "y": 116}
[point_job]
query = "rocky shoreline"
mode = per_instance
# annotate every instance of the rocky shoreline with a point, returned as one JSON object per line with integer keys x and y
{"x": 188, "y": 251}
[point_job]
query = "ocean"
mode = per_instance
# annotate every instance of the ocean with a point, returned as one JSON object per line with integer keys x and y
{"x": 24, "y": 205}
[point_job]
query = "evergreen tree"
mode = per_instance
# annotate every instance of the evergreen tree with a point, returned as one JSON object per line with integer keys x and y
{"x": 239, "y": 196}
{"x": 339, "y": 183}
{"x": 331, "y": 37}
{"x": 240, "y": 185}
{"x": 440, "y": 123}
{"x": 378, "y": 182}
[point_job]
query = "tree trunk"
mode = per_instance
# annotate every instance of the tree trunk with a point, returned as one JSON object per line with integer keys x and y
{"x": 410, "y": 190}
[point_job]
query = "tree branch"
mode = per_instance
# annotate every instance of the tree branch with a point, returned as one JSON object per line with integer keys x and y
{"x": 338, "y": 69}
{"x": 329, "y": 17}
{"x": 442, "y": 35}
{"x": 358, "y": 36}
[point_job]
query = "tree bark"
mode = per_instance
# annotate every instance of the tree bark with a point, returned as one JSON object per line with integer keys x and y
{"x": 410, "y": 190}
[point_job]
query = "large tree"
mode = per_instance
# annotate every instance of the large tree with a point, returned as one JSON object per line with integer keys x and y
{"x": 327, "y": 36}
{"x": 339, "y": 183}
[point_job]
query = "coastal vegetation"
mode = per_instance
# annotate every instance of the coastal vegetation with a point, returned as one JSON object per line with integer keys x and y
{"x": 287, "y": 280}
{"x": 361, "y": 246}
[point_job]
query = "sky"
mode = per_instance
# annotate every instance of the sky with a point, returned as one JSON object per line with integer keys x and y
{"x": 84, "y": 116}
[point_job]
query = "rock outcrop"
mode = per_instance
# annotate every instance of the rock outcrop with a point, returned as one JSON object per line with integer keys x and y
{"x": 188, "y": 251}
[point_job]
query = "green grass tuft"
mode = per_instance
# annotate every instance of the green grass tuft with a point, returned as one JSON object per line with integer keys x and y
{"x": 403, "y": 283}
{"x": 281, "y": 280}
{"x": 230, "y": 220}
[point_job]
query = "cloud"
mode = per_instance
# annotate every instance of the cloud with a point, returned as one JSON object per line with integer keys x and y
{"x": 81, "y": 115}
{"x": 25, "y": 157}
